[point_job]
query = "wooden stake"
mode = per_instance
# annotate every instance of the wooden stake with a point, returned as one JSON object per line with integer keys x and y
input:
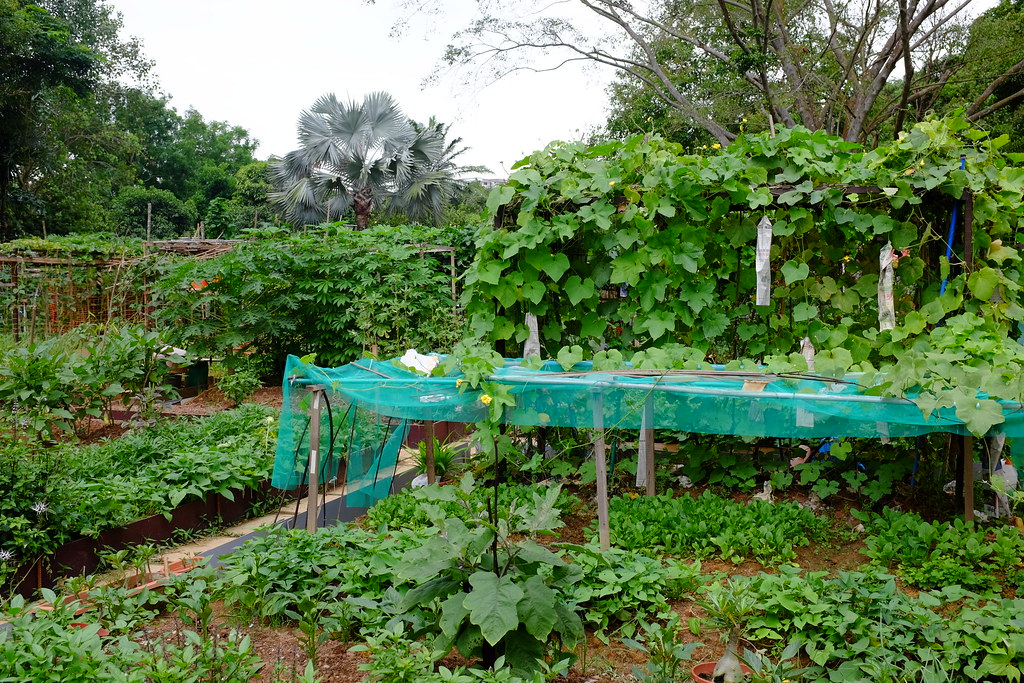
{"x": 601, "y": 470}
{"x": 312, "y": 513}
{"x": 431, "y": 472}
{"x": 149, "y": 221}
{"x": 649, "y": 444}
{"x": 968, "y": 451}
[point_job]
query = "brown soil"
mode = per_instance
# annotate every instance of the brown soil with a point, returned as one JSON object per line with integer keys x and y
{"x": 283, "y": 658}
{"x": 213, "y": 401}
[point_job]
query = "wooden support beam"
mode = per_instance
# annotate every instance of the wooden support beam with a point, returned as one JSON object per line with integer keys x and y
{"x": 316, "y": 392}
{"x": 647, "y": 444}
{"x": 601, "y": 470}
{"x": 968, "y": 451}
{"x": 431, "y": 471}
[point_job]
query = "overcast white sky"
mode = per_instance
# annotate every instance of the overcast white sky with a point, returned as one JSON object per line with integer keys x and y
{"x": 258, "y": 63}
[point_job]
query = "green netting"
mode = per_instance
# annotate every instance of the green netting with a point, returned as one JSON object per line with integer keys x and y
{"x": 712, "y": 401}
{"x": 367, "y": 442}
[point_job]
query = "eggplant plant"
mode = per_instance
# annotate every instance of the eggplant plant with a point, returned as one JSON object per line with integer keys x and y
{"x": 485, "y": 586}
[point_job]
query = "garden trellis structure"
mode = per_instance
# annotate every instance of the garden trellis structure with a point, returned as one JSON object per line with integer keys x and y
{"x": 373, "y": 401}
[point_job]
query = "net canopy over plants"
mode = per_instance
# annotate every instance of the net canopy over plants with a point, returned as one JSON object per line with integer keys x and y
{"x": 634, "y": 246}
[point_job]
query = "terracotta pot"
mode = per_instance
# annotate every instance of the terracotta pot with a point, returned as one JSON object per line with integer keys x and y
{"x": 702, "y": 672}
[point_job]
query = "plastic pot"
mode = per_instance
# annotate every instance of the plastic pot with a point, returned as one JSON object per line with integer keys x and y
{"x": 702, "y": 672}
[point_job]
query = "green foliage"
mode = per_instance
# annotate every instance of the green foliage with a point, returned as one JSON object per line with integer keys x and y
{"x": 44, "y": 645}
{"x": 270, "y": 576}
{"x": 170, "y": 218}
{"x": 336, "y": 292}
{"x": 589, "y": 241}
{"x": 711, "y": 526}
{"x": 619, "y": 589}
{"x": 476, "y": 586}
{"x": 53, "y": 493}
{"x": 931, "y": 555}
{"x": 444, "y": 456}
{"x": 54, "y": 385}
{"x": 418, "y": 508}
{"x": 862, "y": 626}
{"x": 39, "y": 58}
{"x": 665, "y": 654}
{"x": 90, "y": 244}
{"x": 245, "y": 378}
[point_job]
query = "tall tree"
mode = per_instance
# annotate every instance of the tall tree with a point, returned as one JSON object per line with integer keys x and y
{"x": 362, "y": 155}
{"x": 824, "y": 64}
{"x": 39, "y": 62}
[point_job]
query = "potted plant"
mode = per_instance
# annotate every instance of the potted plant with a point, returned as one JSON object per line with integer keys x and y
{"x": 728, "y": 606}
{"x": 444, "y": 459}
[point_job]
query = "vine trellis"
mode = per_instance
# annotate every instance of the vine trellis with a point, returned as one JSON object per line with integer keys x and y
{"x": 636, "y": 246}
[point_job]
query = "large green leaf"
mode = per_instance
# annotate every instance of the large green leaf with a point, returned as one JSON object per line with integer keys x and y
{"x": 492, "y": 604}
{"x": 554, "y": 265}
{"x": 537, "y": 607}
{"x": 794, "y": 272}
{"x": 577, "y": 289}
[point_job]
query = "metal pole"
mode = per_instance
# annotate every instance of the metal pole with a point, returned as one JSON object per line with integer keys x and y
{"x": 316, "y": 392}
{"x": 601, "y": 470}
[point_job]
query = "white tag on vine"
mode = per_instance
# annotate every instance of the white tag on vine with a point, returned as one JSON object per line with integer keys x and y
{"x": 532, "y": 345}
{"x": 807, "y": 350}
{"x": 762, "y": 265}
{"x": 886, "y": 309}
{"x": 804, "y": 418}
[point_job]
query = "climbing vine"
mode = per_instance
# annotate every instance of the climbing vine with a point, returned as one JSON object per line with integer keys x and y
{"x": 634, "y": 245}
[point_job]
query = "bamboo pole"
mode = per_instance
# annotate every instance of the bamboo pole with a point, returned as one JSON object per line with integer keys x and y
{"x": 968, "y": 451}
{"x": 312, "y": 513}
{"x": 601, "y": 470}
{"x": 431, "y": 471}
{"x": 648, "y": 433}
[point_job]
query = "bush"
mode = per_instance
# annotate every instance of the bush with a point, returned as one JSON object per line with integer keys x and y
{"x": 336, "y": 292}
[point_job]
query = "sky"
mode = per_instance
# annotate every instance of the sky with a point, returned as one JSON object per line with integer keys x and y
{"x": 259, "y": 63}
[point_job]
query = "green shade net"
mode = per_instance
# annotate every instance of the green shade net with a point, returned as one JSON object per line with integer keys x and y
{"x": 711, "y": 400}
{"x": 368, "y": 442}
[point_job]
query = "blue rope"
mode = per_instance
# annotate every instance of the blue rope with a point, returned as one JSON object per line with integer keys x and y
{"x": 952, "y": 230}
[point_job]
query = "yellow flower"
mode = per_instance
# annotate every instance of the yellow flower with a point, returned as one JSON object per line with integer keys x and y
{"x": 743, "y": 121}
{"x": 716, "y": 146}
{"x": 486, "y": 399}
{"x": 921, "y": 163}
{"x": 611, "y": 182}
{"x": 459, "y": 382}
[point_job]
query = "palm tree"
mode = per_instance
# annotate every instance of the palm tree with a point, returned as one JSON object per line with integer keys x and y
{"x": 361, "y": 155}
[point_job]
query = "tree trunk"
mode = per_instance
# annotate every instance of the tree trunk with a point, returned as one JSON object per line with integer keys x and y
{"x": 362, "y": 204}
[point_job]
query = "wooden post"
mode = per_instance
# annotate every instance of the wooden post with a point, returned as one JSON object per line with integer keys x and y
{"x": 149, "y": 221}
{"x": 645, "y": 449}
{"x": 431, "y": 472}
{"x": 968, "y": 451}
{"x": 312, "y": 513}
{"x": 968, "y": 231}
{"x": 649, "y": 459}
{"x": 601, "y": 470}
{"x": 16, "y": 314}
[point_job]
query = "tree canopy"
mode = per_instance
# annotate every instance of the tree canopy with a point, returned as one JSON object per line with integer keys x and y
{"x": 852, "y": 68}
{"x": 82, "y": 121}
{"x": 360, "y": 155}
